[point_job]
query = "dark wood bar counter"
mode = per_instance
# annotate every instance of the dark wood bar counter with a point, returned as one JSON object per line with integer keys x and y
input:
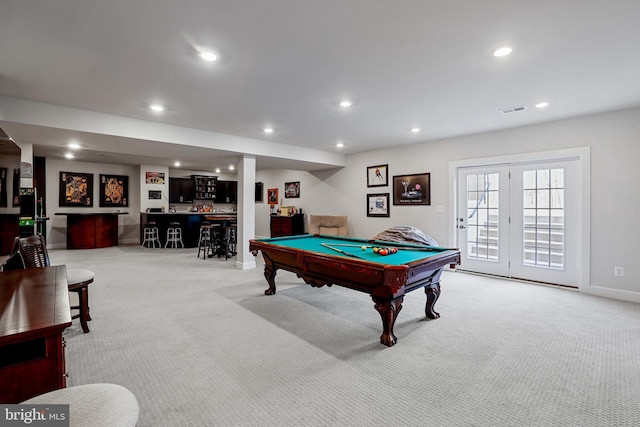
{"x": 34, "y": 311}
{"x": 92, "y": 230}
{"x": 9, "y": 229}
{"x": 190, "y": 223}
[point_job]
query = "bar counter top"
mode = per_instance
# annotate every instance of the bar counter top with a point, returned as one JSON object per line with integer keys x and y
{"x": 196, "y": 213}
{"x": 190, "y": 223}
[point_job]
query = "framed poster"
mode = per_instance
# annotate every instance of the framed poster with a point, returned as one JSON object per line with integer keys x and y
{"x": 114, "y": 191}
{"x": 154, "y": 178}
{"x": 259, "y": 191}
{"x": 155, "y": 195}
{"x": 76, "y": 189}
{"x": 378, "y": 204}
{"x": 292, "y": 189}
{"x": 3, "y": 187}
{"x": 412, "y": 189}
{"x": 377, "y": 176}
{"x": 272, "y": 196}
{"x": 16, "y": 187}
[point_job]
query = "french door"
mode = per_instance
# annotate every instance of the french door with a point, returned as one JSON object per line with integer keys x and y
{"x": 521, "y": 220}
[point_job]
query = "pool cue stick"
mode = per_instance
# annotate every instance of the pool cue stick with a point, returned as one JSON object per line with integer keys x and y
{"x": 340, "y": 250}
{"x": 389, "y": 245}
{"x": 351, "y": 246}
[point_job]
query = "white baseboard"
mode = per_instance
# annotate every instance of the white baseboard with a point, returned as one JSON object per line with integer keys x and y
{"x": 245, "y": 265}
{"x": 611, "y": 293}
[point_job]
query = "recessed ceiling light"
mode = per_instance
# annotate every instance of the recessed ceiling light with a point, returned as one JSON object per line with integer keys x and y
{"x": 231, "y": 167}
{"x": 157, "y": 108}
{"x": 73, "y": 146}
{"x": 208, "y": 56}
{"x": 542, "y": 105}
{"x": 340, "y": 144}
{"x": 177, "y": 164}
{"x": 503, "y": 51}
{"x": 345, "y": 103}
{"x": 415, "y": 130}
{"x": 217, "y": 170}
{"x": 268, "y": 130}
{"x": 69, "y": 155}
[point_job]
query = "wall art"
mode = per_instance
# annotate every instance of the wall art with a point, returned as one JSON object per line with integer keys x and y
{"x": 377, "y": 176}
{"x": 76, "y": 189}
{"x": 114, "y": 191}
{"x": 291, "y": 189}
{"x": 412, "y": 190}
{"x": 378, "y": 204}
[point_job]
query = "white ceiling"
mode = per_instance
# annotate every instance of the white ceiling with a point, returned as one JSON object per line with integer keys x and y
{"x": 286, "y": 63}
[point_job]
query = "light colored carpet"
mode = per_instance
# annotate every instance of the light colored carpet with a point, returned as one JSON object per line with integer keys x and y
{"x": 200, "y": 345}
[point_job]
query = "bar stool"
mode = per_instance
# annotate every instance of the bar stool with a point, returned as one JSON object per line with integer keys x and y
{"x": 174, "y": 235}
{"x": 205, "y": 241}
{"x": 228, "y": 242}
{"x": 150, "y": 235}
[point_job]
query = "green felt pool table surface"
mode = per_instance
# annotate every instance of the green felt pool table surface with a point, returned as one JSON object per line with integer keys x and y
{"x": 407, "y": 253}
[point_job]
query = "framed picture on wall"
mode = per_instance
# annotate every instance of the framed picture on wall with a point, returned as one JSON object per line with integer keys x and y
{"x": 3, "y": 187}
{"x": 154, "y": 177}
{"x": 114, "y": 191}
{"x": 76, "y": 189}
{"x": 259, "y": 191}
{"x": 377, "y": 176}
{"x": 155, "y": 195}
{"x": 412, "y": 190}
{"x": 378, "y": 204}
{"x": 16, "y": 187}
{"x": 292, "y": 189}
{"x": 272, "y": 196}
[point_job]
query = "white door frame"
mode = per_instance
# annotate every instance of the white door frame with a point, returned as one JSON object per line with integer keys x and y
{"x": 582, "y": 154}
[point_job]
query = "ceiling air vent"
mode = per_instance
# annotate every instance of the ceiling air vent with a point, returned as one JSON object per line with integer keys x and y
{"x": 104, "y": 155}
{"x": 513, "y": 109}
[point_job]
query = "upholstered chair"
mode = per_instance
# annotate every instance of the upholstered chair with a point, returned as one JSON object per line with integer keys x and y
{"x": 329, "y": 225}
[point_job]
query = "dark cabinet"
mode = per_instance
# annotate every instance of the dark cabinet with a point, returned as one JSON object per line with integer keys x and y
{"x": 227, "y": 191}
{"x": 287, "y": 225}
{"x": 181, "y": 190}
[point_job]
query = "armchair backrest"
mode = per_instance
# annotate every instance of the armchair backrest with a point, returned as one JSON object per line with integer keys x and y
{"x": 33, "y": 250}
{"x": 329, "y": 224}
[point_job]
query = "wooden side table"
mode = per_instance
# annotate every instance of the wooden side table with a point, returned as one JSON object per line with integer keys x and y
{"x": 34, "y": 306}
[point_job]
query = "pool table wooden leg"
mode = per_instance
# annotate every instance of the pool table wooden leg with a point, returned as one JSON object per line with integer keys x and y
{"x": 270, "y": 275}
{"x": 389, "y": 312}
{"x": 433, "y": 292}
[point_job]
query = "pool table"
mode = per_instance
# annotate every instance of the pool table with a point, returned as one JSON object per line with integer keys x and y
{"x": 350, "y": 262}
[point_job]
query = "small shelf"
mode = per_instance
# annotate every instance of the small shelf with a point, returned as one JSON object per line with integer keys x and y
{"x": 205, "y": 187}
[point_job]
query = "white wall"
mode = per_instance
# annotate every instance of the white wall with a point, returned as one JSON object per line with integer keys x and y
{"x": 163, "y": 187}
{"x": 614, "y": 139}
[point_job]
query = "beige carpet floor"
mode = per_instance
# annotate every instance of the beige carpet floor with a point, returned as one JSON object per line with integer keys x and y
{"x": 199, "y": 344}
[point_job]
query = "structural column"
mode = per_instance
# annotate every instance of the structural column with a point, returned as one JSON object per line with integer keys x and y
{"x": 246, "y": 211}
{"x": 26, "y": 158}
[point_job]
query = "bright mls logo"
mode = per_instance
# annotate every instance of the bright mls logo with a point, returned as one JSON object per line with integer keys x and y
{"x": 35, "y": 415}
